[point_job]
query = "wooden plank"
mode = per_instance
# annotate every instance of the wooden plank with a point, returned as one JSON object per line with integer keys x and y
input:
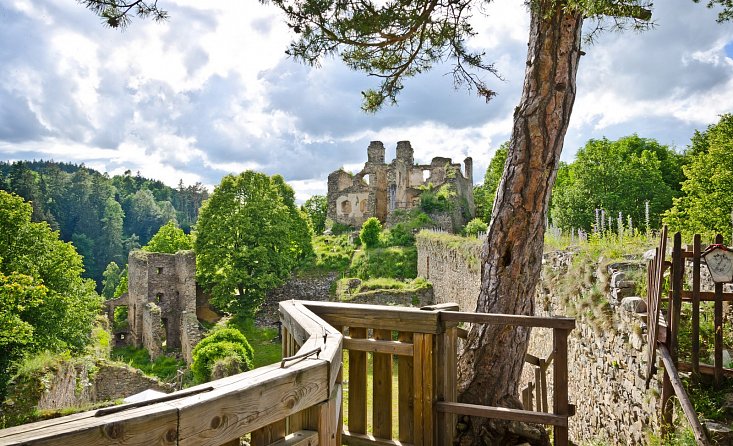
{"x": 354, "y": 439}
{"x": 155, "y": 424}
{"x": 508, "y": 319}
{"x": 543, "y": 385}
{"x": 376, "y": 316}
{"x": 45, "y": 424}
{"x": 424, "y": 389}
{"x": 560, "y": 387}
{"x": 682, "y": 397}
{"x": 503, "y": 413}
{"x": 705, "y": 369}
{"x": 446, "y": 370}
{"x": 378, "y": 346}
{"x": 269, "y": 434}
{"x": 357, "y": 385}
{"x": 674, "y": 311}
{"x": 405, "y": 397}
{"x": 695, "y": 354}
{"x": 300, "y": 438}
{"x": 324, "y": 418}
{"x": 718, "y": 309}
{"x": 705, "y": 296}
{"x": 382, "y": 388}
{"x": 234, "y": 410}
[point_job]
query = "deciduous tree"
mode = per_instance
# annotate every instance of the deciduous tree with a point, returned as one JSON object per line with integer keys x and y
{"x": 243, "y": 241}
{"x": 316, "y": 208}
{"x": 169, "y": 239}
{"x": 707, "y": 201}
{"x": 44, "y": 302}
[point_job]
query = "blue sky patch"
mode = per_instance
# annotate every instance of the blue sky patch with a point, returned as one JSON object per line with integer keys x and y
{"x": 729, "y": 50}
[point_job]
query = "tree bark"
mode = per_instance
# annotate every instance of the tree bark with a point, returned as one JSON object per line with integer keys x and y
{"x": 491, "y": 361}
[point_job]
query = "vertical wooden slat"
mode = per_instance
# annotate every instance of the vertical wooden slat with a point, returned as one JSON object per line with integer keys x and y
{"x": 543, "y": 382}
{"x": 718, "y": 327}
{"x": 382, "y": 388}
{"x": 538, "y": 387}
{"x": 446, "y": 383}
{"x": 324, "y": 419}
{"x": 696, "y": 251}
{"x": 405, "y": 392}
{"x": 423, "y": 388}
{"x": 560, "y": 388}
{"x": 268, "y": 434}
{"x": 340, "y": 407}
{"x": 678, "y": 268}
{"x": 357, "y": 385}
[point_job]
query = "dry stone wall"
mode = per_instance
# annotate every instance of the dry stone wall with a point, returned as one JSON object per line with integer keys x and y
{"x": 606, "y": 362}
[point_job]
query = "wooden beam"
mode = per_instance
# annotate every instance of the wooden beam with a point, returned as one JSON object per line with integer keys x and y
{"x": 502, "y": 413}
{"x": 231, "y": 411}
{"x": 300, "y": 438}
{"x": 378, "y": 346}
{"x": 508, "y": 319}
{"x": 376, "y": 316}
{"x": 354, "y": 439}
{"x": 682, "y": 397}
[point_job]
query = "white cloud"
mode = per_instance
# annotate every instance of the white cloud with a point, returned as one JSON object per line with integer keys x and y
{"x": 211, "y": 92}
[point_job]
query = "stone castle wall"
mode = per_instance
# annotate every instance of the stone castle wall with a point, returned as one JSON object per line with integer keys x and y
{"x": 456, "y": 276}
{"x": 606, "y": 366}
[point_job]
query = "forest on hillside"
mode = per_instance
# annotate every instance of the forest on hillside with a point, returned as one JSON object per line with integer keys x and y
{"x": 105, "y": 217}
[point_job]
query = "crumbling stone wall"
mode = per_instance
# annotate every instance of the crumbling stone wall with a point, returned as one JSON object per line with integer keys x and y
{"x": 455, "y": 275}
{"x": 74, "y": 382}
{"x": 606, "y": 367}
{"x": 161, "y": 288}
{"x": 380, "y": 188}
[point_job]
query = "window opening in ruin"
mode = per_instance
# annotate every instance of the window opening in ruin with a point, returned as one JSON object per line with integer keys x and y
{"x": 346, "y": 207}
{"x": 425, "y": 175}
{"x": 159, "y": 270}
{"x": 164, "y": 331}
{"x": 120, "y": 320}
{"x": 392, "y": 197}
{"x": 158, "y": 298}
{"x": 362, "y": 206}
{"x": 368, "y": 178}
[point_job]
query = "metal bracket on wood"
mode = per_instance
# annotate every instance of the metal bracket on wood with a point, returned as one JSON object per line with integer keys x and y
{"x": 300, "y": 357}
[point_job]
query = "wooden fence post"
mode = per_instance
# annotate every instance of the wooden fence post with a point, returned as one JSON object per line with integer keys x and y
{"x": 560, "y": 387}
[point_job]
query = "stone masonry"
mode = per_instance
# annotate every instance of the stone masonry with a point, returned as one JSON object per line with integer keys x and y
{"x": 381, "y": 188}
{"x": 607, "y": 367}
{"x": 160, "y": 300}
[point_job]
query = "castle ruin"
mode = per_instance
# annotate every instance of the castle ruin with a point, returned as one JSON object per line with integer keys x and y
{"x": 163, "y": 305}
{"x": 379, "y": 189}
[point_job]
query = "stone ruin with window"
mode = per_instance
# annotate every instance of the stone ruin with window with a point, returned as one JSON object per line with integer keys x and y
{"x": 380, "y": 189}
{"x": 163, "y": 304}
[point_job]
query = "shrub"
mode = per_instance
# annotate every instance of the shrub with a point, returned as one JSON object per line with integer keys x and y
{"x": 475, "y": 226}
{"x": 333, "y": 253}
{"x": 370, "y": 231}
{"x": 220, "y": 344}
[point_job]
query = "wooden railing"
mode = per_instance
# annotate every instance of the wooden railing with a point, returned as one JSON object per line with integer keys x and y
{"x": 298, "y": 401}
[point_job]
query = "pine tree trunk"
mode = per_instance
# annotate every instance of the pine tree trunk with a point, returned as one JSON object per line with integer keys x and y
{"x": 491, "y": 362}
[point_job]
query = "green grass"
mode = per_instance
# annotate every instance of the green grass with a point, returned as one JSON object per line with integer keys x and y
{"x": 370, "y": 392}
{"x": 263, "y": 340}
{"x": 164, "y": 367}
{"x": 394, "y": 262}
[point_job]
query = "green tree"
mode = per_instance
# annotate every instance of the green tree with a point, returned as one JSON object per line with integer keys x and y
{"x": 316, "y": 208}
{"x": 43, "y": 298}
{"x": 370, "y": 231}
{"x": 475, "y": 226}
{"x": 484, "y": 194}
{"x": 707, "y": 201}
{"x": 301, "y": 233}
{"x": 617, "y": 176}
{"x": 397, "y": 40}
{"x": 111, "y": 280}
{"x": 244, "y": 242}
{"x": 169, "y": 239}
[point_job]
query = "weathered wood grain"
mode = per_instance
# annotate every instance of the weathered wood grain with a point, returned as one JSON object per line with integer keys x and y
{"x": 382, "y": 388}
{"x": 376, "y": 316}
{"x": 357, "y": 385}
{"x": 405, "y": 397}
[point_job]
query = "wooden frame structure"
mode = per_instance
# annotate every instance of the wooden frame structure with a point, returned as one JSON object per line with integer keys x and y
{"x": 299, "y": 400}
{"x": 664, "y": 333}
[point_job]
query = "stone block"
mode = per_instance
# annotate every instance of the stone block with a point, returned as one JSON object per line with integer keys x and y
{"x": 634, "y": 304}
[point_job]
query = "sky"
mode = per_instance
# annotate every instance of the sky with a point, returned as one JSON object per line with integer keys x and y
{"x": 211, "y": 92}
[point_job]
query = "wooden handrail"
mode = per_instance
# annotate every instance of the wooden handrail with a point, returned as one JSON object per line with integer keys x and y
{"x": 565, "y": 323}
